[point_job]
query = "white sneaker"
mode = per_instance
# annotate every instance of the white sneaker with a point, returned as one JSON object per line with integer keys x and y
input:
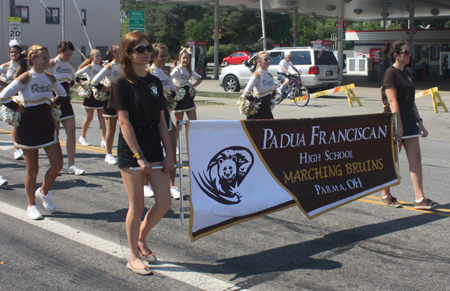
{"x": 83, "y": 141}
{"x": 46, "y": 200}
{"x": 110, "y": 159}
{"x": 148, "y": 191}
{"x": 279, "y": 90}
{"x": 33, "y": 212}
{"x": 74, "y": 170}
{"x": 18, "y": 154}
{"x": 103, "y": 144}
{"x": 3, "y": 182}
{"x": 175, "y": 192}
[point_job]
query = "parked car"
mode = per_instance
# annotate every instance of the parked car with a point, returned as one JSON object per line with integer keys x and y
{"x": 237, "y": 58}
{"x": 318, "y": 66}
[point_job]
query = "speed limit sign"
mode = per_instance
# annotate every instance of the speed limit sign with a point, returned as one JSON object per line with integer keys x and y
{"x": 15, "y": 29}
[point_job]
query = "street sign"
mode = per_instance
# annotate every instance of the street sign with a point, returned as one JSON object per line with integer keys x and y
{"x": 344, "y": 24}
{"x": 220, "y": 35}
{"x": 298, "y": 34}
{"x": 137, "y": 20}
{"x": 220, "y": 30}
{"x": 15, "y": 29}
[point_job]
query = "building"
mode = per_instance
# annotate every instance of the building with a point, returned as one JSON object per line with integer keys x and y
{"x": 431, "y": 47}
{"x": 86, "y": 23}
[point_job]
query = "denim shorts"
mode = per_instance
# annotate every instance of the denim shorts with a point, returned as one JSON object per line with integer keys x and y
{"x": 281, "y": 77}
{"x": 410, "y": 127}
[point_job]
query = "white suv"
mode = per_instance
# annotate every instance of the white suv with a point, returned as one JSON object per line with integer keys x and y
{"x": 318, "y": 66}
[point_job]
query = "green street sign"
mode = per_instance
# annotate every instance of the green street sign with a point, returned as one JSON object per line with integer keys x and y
{"x": 137, "y": 20}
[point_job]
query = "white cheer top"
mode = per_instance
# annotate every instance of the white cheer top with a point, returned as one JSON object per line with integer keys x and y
{"x": 165, "y": 78}
{"x": 260, "y": 85}
{"x": 181, "y": 76}
{"x": 90, "y": 70}
{"x": 9, "y": 69}
{"x": 110, "y": 72}
{"x": 37, "y": 91}
{"x": 63, "y": 71}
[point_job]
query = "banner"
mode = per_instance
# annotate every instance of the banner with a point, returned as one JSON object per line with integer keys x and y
{"x": 240, "y": 170}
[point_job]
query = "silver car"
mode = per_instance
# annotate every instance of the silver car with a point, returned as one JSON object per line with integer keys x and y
{"x": 318, "y": 66}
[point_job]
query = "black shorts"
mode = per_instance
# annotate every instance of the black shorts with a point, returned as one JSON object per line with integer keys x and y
{"x": 150, "y": 143}
{"x": 410, "y": 127}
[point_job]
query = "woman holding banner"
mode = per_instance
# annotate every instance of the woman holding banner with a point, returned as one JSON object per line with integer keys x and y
{"x": 258, "y": 100}
{"x": 139, "y": 100}
{"x": 398, "y": 93}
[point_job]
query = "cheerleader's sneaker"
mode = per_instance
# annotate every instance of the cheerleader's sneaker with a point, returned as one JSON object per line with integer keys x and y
{"x": 103, "y": 144}
{"x": 3, "y": 182}
{"x": 83, "y": 141}
{"x": 175, "y": 192}
{"x": 33, "y": 212}
{"x": 74, "y": 170}
{"x": 18, "y": 154}
{"x": 46, "y": 200}
{"x": 148, "y": 191}
{"x": 110, "y": 159}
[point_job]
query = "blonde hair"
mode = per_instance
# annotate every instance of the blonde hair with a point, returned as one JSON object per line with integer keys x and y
{"x": 25, "y": 64}
{"x": 257, "y": 60}
{"x": 188, "y": 52}
{"x": 89, "y": 59}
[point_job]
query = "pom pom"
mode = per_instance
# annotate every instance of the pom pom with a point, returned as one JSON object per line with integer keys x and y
{"x": 193, "y": 91}
{"x": 273, "y": 102}
{"x": 9, "y": 116}
{"x": 247, "y": 107}
{"x": 100, "y": 95}
{"x": 84, "y": 90}
{"x": 56, "y": 113}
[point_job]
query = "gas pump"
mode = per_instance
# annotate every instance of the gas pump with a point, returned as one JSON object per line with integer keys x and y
{"x": 198, "y": 61}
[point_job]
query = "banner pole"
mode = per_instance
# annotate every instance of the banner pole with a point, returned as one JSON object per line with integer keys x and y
{"x": 397, "y": 153}
{"x": 180, "y": 172}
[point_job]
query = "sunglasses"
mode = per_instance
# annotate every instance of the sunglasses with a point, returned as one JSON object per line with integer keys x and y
{"x": 141, "y": 49}
{"x": 407, "y": 53}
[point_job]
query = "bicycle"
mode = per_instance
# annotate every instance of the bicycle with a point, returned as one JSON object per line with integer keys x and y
{"x": 295, "y": 91}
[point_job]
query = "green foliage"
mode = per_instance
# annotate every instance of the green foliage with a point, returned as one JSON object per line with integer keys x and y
{"x": 175, "y": 25}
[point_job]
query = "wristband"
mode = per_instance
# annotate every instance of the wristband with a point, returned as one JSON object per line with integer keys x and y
{"x": 138, "y": 153}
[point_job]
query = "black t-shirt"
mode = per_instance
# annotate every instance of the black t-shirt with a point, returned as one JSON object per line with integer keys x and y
{"x": 406, "y": 92}
{"x": 143, "y": 100}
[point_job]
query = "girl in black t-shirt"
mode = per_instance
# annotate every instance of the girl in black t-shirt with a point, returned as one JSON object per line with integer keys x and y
{"x": 138, "y": 98}
{"x": 398, "y": 96}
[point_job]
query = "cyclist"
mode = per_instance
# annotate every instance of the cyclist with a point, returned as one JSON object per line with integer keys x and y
{"x": 283, "y": 72}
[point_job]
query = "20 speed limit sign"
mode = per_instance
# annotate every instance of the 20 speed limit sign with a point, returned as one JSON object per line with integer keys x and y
{"x": 15, "y": 29}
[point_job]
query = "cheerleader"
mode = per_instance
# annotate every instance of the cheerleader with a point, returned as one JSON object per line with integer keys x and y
{"x": 8, "y": 70}
{"x": 107, "y": 76}
{"x": 258, "y": 100}
{"x": 37, "y": 128}
{"x": 181, "y": 76}
{"x": 158, "y": 61}
{"x": 91, "y": 67}
{"x": 139, "y": 100}
{"x": 64, "y": 70}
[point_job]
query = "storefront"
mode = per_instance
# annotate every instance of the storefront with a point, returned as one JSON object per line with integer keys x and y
{"x": 431, "y": 47}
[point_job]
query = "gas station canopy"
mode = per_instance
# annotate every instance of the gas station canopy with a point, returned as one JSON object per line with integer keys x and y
{"x": 355, "y": 10}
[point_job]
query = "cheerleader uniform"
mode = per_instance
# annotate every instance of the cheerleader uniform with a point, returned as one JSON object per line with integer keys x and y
{"x": 65, "y": 74}
{"x": 181, "y": 77}
{"x": 8, "y": 70}
{"x": 110, "y": 72}
{"x": 168, "y": 88}
{"x": 90, "y": 70}
{"x": 37, "y": 128}
{"x": 143, "y": 100}
{"x": 261, "y": 87}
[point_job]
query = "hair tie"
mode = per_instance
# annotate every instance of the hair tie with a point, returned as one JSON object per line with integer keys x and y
{"x": 185, "y": 50}
{"x": 24, "y": 53}
{"x": 13, "y": 42}
{"x": 108, "y": 53}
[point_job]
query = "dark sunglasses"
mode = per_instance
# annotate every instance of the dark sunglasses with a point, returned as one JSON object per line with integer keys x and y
{"x": 407, "y": 53}
{"x": 141, "y": 49}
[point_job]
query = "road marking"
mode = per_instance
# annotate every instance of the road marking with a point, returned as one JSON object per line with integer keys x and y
{"x": 6, "y": 145}
{"x": 162, "y": 267}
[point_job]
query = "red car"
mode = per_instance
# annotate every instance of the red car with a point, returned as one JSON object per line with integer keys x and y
{"x": 237, "y": 58}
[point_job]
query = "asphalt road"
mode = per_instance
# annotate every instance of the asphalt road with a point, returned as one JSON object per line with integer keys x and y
{"x": 360, "y": 246}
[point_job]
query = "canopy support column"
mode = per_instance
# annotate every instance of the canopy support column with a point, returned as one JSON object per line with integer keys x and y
{"x": 216, "y": 39}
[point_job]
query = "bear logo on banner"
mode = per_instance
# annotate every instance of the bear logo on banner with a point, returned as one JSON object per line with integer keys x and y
{"x": 225, "y": 172}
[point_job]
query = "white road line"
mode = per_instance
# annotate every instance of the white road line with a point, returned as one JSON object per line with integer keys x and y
{"x": 6, "y": 145}
{"x": 164, "y": 268}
